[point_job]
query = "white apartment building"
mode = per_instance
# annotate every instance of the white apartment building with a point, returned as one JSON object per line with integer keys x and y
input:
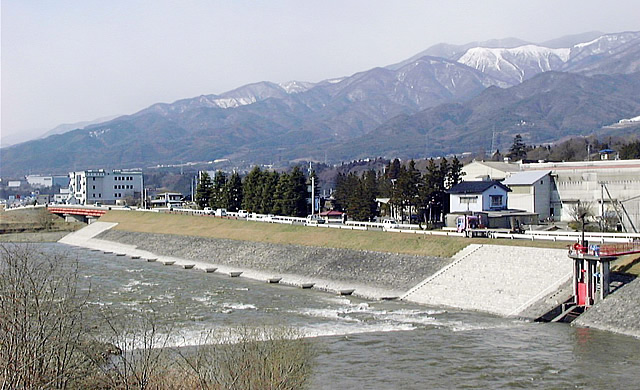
{"x": 104, "y": 186}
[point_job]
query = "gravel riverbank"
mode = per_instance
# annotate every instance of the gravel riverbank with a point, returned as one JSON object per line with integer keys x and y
{"x": 619, "y": 312}
{"x": 386, "y": 270}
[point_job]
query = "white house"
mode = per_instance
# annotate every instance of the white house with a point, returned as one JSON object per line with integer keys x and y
{"x": 477, "y": 196}
{"x": 167, "y": 200}
{"x": 531, "y": 191}
{"x": 609, "y": 187}
{"x": 104, "y": 186}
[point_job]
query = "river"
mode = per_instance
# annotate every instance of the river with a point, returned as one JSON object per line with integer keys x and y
{"x": 367, "y": 344}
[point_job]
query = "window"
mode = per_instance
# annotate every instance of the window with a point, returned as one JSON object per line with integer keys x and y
{"x": 468, "y": 199}
{"x": 496, "y": 200}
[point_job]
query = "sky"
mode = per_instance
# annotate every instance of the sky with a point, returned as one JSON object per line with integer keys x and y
{"x": 68, "y": 61}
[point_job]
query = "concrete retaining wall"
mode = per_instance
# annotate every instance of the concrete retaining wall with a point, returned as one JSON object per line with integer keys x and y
{"x": 378, "y": 269}
{"x": 504, "y": 280}
{"x": 618, "y": 312}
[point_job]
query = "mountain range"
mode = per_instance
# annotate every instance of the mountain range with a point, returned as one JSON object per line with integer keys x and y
{"x": 448, "y": 99}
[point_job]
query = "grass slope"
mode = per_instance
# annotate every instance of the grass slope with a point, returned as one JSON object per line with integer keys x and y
{"x": 213, "y": 227}
{"x": 36, "y": 219}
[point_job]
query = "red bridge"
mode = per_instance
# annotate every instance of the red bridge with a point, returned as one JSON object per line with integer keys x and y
{"x": 73, "y": 210}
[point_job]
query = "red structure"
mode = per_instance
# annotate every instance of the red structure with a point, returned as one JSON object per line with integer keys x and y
{"x": 86, "y": 211}
{"x": 591, "y": 269}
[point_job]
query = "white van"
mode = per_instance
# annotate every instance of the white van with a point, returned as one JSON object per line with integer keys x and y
{"x": 221, "y": 212}
{"x": 389, "y": 224}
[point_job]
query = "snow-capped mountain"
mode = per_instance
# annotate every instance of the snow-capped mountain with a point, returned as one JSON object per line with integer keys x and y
{"x": 514, "y": 65}
{"x": 338, "y": 115}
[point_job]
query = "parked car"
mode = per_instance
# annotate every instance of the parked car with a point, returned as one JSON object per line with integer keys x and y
{"x": 243, "y": 214}
{"x": 389, "y": 224}
{"x": 208, "y": 210}
{"x": 314, "y": 220}
{"x": 221, "y": 212}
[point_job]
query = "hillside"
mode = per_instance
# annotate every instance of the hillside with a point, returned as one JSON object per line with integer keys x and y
{"x": 549, "y": 106}
{"x": 447, "y": 99}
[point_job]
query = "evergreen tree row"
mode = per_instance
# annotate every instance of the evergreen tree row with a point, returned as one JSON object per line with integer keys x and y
{"x": 412, "y": 194}
{"x": 263, "y": 192}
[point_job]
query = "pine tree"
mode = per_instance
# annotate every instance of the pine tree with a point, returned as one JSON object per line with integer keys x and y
{"x": 268, "y": 192}
{"x": 234, "y": 193}
{"x": 219, "y": 199}
{"x": 203, "y": 190}
{"x": 369, "y": 194}
{"x": 280, "y": 195}
{"x": 252, "y": 190}
{"x": 518, "y": 149}
{"x": 455, "y": 173}
{"x": 398, "y": 190}
{"x": 341, "y": 192}
{"x": 298, "y": 193}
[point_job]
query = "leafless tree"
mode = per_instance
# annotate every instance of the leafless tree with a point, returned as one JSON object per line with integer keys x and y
{"x": 41, "y": 327}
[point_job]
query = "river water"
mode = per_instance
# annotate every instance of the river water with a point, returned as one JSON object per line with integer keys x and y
{"x": 367, "y": 344}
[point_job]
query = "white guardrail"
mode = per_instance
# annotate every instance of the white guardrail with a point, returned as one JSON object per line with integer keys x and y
{"x": 531, "y": 235}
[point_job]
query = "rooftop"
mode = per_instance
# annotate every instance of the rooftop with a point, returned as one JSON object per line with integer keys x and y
{"x": 475, "y": 187}
{"x": 525, "y": 178}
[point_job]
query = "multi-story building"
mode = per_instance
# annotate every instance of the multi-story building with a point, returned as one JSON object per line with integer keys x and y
{"x": 609, "y": 188}
{"x": 104, "y": 186}
{"x": 167, "y": 200}
{"x": 48, "y": 181}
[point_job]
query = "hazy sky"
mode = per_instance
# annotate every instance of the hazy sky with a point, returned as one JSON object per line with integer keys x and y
{"x": 69, "y": 61}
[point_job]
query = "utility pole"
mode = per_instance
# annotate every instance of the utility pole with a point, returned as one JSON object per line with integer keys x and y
{"x": 313, "y": 190}
{"x": 602, "y": 206}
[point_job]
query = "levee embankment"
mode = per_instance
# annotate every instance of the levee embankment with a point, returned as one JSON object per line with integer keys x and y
{"x": 377, "y": 241}
{"x": 618, "y": 312}
{"x": 499, "y": 279}
{"x": 505, "y": 280}
{"x": 397, "y": 272}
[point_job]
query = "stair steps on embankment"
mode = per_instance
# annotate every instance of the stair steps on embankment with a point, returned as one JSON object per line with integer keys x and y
{"x": 504, "y": 280}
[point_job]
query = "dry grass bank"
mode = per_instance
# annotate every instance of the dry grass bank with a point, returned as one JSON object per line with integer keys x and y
{"x": 30, "y": 220}
{"x": 629, "y": 264}
{"x": 213, "y": 227}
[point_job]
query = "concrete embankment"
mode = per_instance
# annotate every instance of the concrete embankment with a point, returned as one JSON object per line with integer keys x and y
{"x": 498, "y": 279}
{"x": 618, "y": 312}
{"x": 504, "y": 280}
{"x": 395, "y": 273}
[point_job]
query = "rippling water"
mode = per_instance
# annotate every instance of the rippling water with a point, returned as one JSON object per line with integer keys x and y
{"x": 364, "y": 344}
